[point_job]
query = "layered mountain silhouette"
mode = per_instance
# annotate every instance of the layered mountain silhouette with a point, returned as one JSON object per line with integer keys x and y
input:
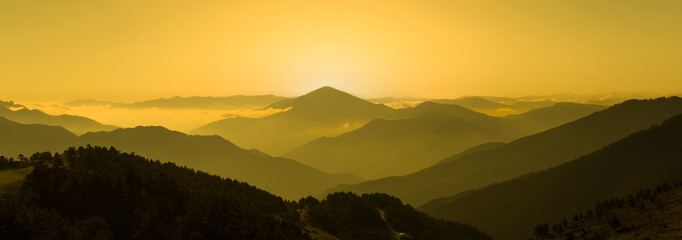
{"x": 509, "y": 210}
{"x": 415, "y": 138}
{"x": 323, "y": 112}
{"x": 418, "y": 138}
{"x": 540, "y": 119}
{"x": 212, "y": 154}
{"x": 102, "y": 193}
{"x": 218, "y": 103}
{"x": 474, "y": 149}
{"x": 532, "y": 153}
{"x": 496, "y": 106}
{"x": 27, "y": 139}
{"x": 75, "y": 124}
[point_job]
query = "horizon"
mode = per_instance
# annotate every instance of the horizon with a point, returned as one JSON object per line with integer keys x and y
{"x": 407, "y": 96}
{"x": 186, "y": 119}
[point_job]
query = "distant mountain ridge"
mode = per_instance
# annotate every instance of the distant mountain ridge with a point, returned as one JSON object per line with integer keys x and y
{"x": 17, "y": 138}
{"x": 548, "y": 117}
{"x": 493, "y": 108}
{"x": 510, "y": 209}
{"x": 416, "y": 138}
{"x": 394, "y": 147}
{"x": 74, "y": 124}
{"x": 213, "y": 154}
{"x": 230, "y": 102}
{"x": 323, "y": 112}
{"x": 532, "y": 153}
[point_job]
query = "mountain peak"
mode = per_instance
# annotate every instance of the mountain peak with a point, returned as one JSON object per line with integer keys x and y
{"x": 326, "y": 91}
{"x": 328, "y": 97}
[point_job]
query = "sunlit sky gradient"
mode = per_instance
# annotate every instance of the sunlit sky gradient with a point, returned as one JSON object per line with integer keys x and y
{"x": 135, "y": 50}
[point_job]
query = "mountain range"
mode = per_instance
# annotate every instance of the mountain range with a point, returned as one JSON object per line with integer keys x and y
{"x": 396, "y": 142}
{"x": 510, "y": 209}
{"x": 532, "y": 153}
{"x": 217, "y": 103}
{"x": 75, "y": 124}
{"x": 495, "y": 108}
{"x": 102, "y": 193}
{"x": 213, "y": 154}
{"x": 323, "y": 112}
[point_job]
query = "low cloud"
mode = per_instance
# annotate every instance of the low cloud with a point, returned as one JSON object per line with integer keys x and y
{"x": 251, "y": 113}
{"x": 183, "y": 120}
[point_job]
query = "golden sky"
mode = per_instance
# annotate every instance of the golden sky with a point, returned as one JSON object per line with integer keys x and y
{"x": 135, "y": 50}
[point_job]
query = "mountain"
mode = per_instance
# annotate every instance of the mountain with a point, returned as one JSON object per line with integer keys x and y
{"x": 216, "y": 155}
{"x": 496, "y": 106}
{"x": 418, "y": 138}
{"x": 475, "y": 103}
{"x": 474, "y": 149}
{"x": 606, "y": 99}
{"x": 509, "y": 210}
{"x": 549, "y": 117}
{"x": 650, "y": 214}
{"x": 219, "y": 103}
{"x": 100, "y": 193}
{"x": 397, "y": 103}
{"x": 17, "y": 138}
{"x": 75, "y": 124}
{"x": 213, "y": 154}
{"x": 323, "y": 112}
{"x": 532, "y": 153}
{"x": 327, "y": 103}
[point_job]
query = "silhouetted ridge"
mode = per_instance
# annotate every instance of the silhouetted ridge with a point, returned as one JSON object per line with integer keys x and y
{"x": 323, "y": 112}
{"x": 100, "y": 193}
{"x": 177, "y": 102}
{"x": 75, "y": 124}
{"x": 329, "y": 103}
{"x": 214, "y": 154}
{"x": 393, "y": 147}
{"x": 17, "y": 138}
{"x": 510, "y": 209}
{"x": 646, "y": 214}
{"x": 532, "y": 153}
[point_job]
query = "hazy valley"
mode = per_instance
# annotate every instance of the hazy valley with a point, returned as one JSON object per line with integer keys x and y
{"x": 451, "y": 161}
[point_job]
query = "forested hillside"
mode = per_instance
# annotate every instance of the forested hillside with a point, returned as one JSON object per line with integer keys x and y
{"x": 101, "y": 193}
{"x": 509, "y": 210}
{"x": 532, "y": 153}
{"x": 648, "y": 214}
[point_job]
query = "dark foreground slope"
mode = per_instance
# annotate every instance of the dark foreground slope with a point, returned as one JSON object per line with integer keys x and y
{"x": 100, "y": 193}
{"x": 648, "y": 214}
{"x": 533, "y": 153}
{"x": 509, "y": 210}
